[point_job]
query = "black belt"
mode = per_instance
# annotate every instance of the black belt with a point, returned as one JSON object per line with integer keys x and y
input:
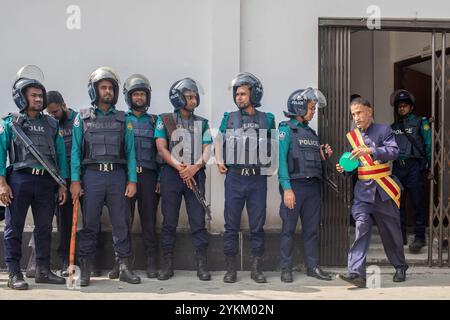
{"x": 246, "y": 171}
{"x": 406, "y": 162}
{"x": 140, "y": 169}
{"x": 35, "y": 171}
{"x": 104, "y": 167}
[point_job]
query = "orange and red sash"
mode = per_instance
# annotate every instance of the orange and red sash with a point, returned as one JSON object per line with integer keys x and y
{"x": 380, "y": 172}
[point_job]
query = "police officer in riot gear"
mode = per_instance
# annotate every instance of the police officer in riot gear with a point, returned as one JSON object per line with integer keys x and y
{"x": 246, "y": 181}
{"x": 300, "y": 174}
{"x": 103, "y": 156}
{"x": 65, "y": 116}
{"x": 183, "y": 139}
{"x": 413, "y": 137}
{"x": 137, "y": 94}
{"x": 26, "y": 183}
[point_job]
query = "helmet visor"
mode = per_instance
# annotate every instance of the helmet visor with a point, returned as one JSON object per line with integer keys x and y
{"x": 315, "y": 95}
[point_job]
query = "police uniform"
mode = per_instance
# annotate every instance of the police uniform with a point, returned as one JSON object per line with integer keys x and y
{"x": 173, "y": 188}
{"x": 300, "y": 170}
{"x": 409, "y": 166}
{"x": 374, "y": 204}
{"x": 103, "y": 156}
{"x": 147, "y": 173}
{"x": 244, "y": 183}
{"x": 31, "y": 184}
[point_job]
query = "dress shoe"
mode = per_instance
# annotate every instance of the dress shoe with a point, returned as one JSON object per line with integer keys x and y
{"x": 354, "y": 279}
{"x": 45, "y": 275}
{"x": 286, "y": 275}
{"x": 231, "y": 274}
{"x": 256, "y": 273}
{"x": 417, "y": 245}
{"x": 318, "y": 273}
{"x": 400, "y": 274}
{"x": 16, "y": 281}
{"x": 152, "y": 267}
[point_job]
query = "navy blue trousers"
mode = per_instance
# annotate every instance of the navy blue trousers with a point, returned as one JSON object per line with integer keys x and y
{"x": 307, "y": 207}
{"x": 412, "y": 180}
{"x": 104, "y": 188}
{"x": 147, "y": 200}
{"x": 39, "y": 193}
{"x": 240, "y": 191}
{"x": 387, "y": 217}
{"x": 173, "y": 189}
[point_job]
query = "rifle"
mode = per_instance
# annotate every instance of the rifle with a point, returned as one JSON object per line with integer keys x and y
{"x": 171, "y": 126}
{"x": 201, "y": 198}
{"x": 28, "y": 144}
{"x": 325, "y": 175}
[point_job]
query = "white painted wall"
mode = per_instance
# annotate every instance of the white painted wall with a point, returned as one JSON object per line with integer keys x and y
{"x": 210, "y": 40}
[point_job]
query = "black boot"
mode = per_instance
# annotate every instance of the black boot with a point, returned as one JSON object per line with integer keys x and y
{"x": 231, "y": 275}
{"x": 65, "y": 268}
{"x": 114, "y": 273}
{"x": 286, "y": 275}
{"x": 126, "y": 275}
{"x": 16, "y": 281}
{"x": 31, "y": 267}
{"x": 85, "y": 270}
{"x": 202, "y": 269}
{"x": 45, "y": 275}
{"x": 256, "y": 273}
{"x": 152, "y": 267}
{"x": 167, "y": 268}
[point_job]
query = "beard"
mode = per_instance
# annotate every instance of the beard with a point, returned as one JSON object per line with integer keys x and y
{"x": 106, "y": 99}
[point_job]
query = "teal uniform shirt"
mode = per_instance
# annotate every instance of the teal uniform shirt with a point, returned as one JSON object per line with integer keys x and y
{"x": 161, "y": 132}
{"x": 6, "y": 136}
{"x": 284, "y": 137}
{"x": 425, "y": 132}
{"x": 77, "y": 144}
{"x": 223, "y": 125}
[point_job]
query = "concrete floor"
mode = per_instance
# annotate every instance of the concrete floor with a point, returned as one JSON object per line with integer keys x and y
{"x": 422, "y": 283}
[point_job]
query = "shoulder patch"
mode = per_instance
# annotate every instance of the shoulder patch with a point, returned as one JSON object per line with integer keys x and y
{"x": 129, "y": 126}
{"x": 281, "y": 135}
{"x": 160, "y": 125}
{"x": 426, "y": 127}
{"x": 76, "y": 122}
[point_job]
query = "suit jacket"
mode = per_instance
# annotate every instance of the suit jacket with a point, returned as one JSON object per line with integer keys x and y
{"x": 381, "y": 140}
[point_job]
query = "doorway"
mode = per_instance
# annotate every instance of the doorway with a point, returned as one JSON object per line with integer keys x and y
{"x": 337, "y": 56}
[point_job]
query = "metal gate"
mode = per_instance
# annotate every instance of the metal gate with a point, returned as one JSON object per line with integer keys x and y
{"x": 334, "y": 122}
{"x": 438, "y": 248}
{"x": 334, "y": 82}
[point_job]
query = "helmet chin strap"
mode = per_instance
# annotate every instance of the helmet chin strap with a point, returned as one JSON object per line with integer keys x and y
{"x": 138, "y": 108}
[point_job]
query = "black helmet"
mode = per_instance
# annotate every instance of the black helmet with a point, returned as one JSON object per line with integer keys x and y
{"x": 137, "y": 82}
{"x": 103, "y": 73}
{"x": 256, "y": 88}
{"x": 297, "y": 103}
{"x": 177, "y": 90}
{"x": 28, "y": 76}
{"x": 400, "y": 96}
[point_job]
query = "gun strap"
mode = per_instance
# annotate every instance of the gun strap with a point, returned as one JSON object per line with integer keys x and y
{"x": 170, "y": 124}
